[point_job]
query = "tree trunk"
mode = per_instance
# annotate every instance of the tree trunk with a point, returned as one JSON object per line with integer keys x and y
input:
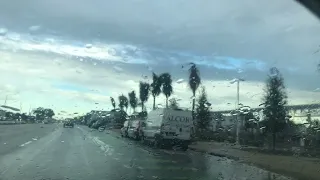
{"x": 142, "y": 106}
{"x": 193, "y": 104}
{"x": 166, "y": 102}
{"x": 273, "y": 141}
{"x": 154, "y": 102}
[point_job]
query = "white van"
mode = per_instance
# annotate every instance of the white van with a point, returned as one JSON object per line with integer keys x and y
{"x": 168, "y": 126}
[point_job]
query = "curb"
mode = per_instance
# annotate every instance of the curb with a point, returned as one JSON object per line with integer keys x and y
{"x": 216, "y": 154}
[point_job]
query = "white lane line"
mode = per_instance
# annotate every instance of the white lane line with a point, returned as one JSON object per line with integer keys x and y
{"x": 26, "y": 143}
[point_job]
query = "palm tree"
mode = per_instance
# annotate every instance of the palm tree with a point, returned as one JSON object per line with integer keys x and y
{"x": 123, "y": 102}
{"x": 126, "y": 103}
{"x": 113, "y": 103}
{"x": 133, "y": 101}
{"x": 166, "y": 82}
{"x": 155, "y": 88}
{"x": 194, "y": 82}
{"x": 144, "y": 93}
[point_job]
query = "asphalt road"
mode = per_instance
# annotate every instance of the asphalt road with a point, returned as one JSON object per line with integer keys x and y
{"x": 13, "y": 137}
{"x": 66, "y": 153}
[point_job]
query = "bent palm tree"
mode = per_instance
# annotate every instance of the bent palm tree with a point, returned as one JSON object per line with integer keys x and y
{"x": 144, "y": 94}
{"x": 194, "y": 82}
{"x": 167, "y": 89}
{"x": 113, "y": 103}
{"x": 123, "y": 102}
{"x": 133, "y": 101}
{"x": 155, "y": 88}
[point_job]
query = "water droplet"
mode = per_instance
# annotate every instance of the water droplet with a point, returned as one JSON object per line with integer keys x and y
{"x": 117, "y": 69}
{"x": 3, "y": 31}
{"x": 88, "y": 46}
{"x": 111, "y": 51}
{"x": 34, "y": 28}
{"x": 179, "y": 81}
{"x": 274, "y": 72}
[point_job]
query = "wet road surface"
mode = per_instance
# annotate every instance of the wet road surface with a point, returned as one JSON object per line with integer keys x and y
{"x": 76, "y": 153}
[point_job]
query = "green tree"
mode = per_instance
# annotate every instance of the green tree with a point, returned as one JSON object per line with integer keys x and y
{"x": 39, "y": 113}
{"x": 173, "y": 104}
{"x": 123, "y": 102}
{"x": 202, "y": 111}
{"x": 24, "y": 117}
{"x": 155, "y": 88}
{"x": 167, "y": 89}
{"x": 113, "y": 103}
{"x": 274, "y": 101}
{"x": 194, "y": 82}
{"x": 144, "y": 93}
{"x": 133, "y": 100}
{"x": 48, "y": 113}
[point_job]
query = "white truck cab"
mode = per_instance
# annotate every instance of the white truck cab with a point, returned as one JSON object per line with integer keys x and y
{"x": 168, "y": 126}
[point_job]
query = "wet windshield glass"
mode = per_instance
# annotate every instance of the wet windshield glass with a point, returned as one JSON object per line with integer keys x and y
{"x": 159, "y": 89}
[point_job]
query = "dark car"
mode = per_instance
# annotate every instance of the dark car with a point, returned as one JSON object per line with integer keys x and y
{"x": 68, "y": 124}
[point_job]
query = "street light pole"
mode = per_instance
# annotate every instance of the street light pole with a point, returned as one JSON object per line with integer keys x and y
{"x": 237, "y": 110}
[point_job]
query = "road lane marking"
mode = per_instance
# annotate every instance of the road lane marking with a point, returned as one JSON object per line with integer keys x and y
{"x": 26, "y": 143}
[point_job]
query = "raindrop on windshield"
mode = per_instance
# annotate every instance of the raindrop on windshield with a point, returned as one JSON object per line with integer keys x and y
{"x": 179, "y": 81}
{"x": 117, "y": 68}
{"x": 34, "y": 28}
{"x": 88, "y": 46}
{"x": 3, "y": 31}
{"x": 150, "y": 68}
{"x": 111, "y": 51}
{"x": 274, "y": 72}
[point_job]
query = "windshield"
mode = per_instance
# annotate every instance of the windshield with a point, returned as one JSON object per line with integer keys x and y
{"x": 225, "y": 90}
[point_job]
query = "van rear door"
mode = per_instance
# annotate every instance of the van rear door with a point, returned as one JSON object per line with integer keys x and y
{"x": 177, "y": 124}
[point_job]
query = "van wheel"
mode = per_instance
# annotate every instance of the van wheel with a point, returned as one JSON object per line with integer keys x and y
{"x": 157, "y": 142}
{"x": 184, "y": 147}
{"x": 137, "y": 137}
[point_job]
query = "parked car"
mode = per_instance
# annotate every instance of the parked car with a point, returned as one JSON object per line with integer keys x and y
{"x": 135, "y": 129}
{"x": 124, "y": 129}
{"x": 101, "y": 128}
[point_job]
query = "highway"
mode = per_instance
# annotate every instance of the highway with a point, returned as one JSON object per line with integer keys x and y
{"x": 56, "y": 153}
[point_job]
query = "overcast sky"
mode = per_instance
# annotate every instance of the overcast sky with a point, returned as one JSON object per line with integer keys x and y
{"x": 73, "y": 55}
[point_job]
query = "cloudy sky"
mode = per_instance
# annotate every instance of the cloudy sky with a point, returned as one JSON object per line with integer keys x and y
{"x": 73, "y": 55}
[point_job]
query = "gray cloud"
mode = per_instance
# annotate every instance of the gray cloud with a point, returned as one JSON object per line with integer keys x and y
{"x": 222, "y": 37}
